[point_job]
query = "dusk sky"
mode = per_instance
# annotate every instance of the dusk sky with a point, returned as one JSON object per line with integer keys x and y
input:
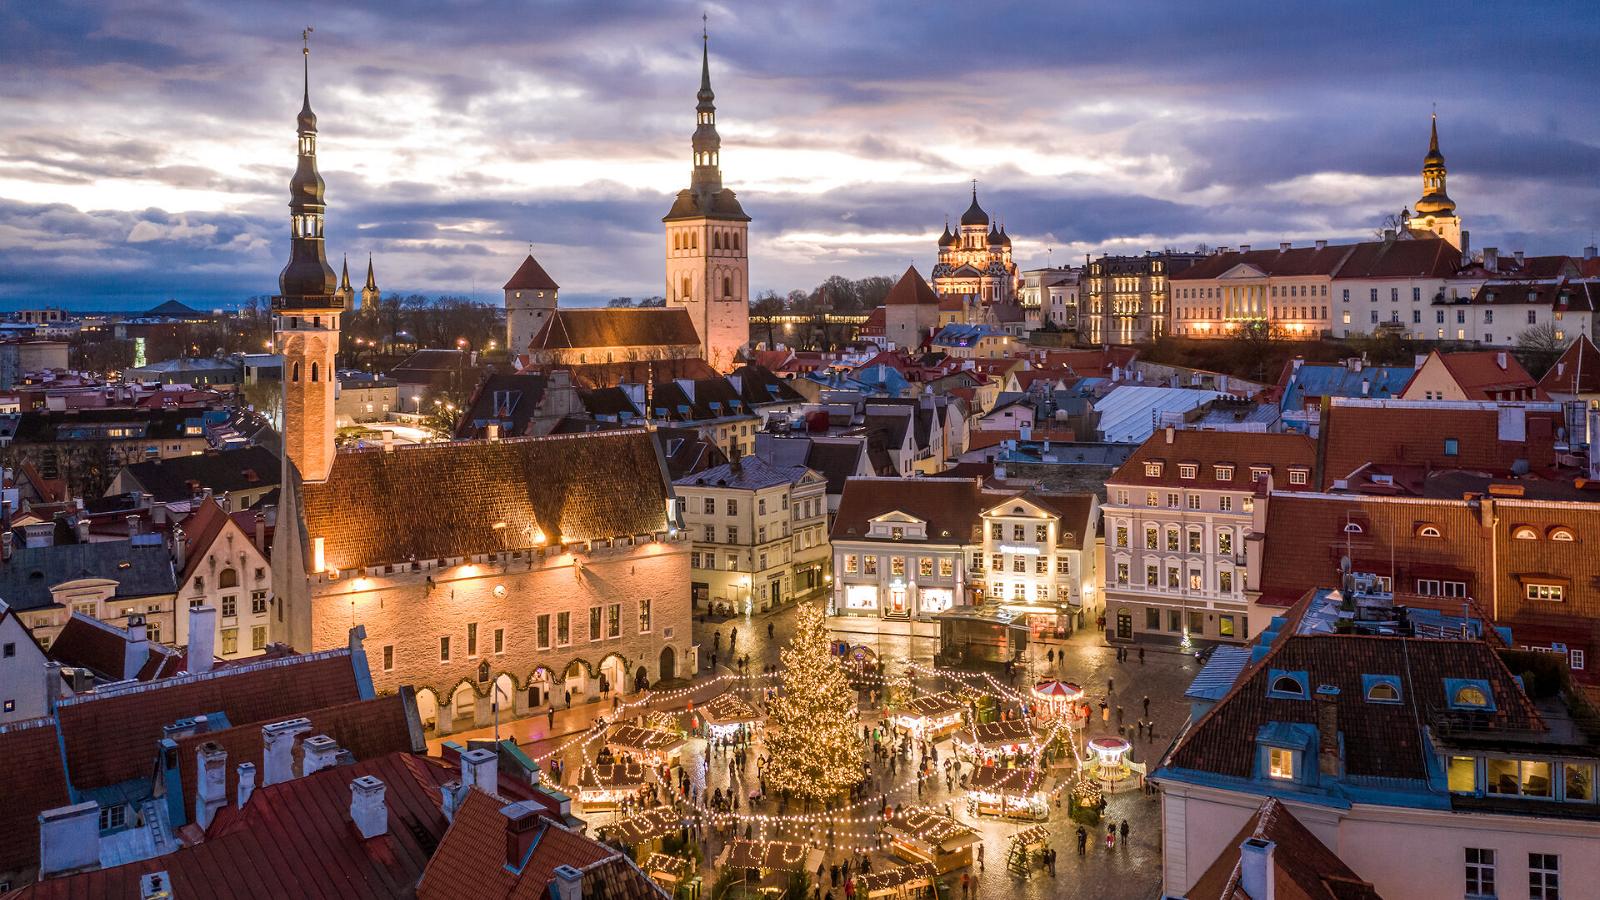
{"x": 147, "y": 146}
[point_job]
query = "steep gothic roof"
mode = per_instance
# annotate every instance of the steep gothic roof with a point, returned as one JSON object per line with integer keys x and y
{"x": 530, "y": 276}
{"x": 911, "y": 290}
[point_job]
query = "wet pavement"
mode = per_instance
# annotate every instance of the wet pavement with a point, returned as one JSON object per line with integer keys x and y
{"x": 1131, "y": 870}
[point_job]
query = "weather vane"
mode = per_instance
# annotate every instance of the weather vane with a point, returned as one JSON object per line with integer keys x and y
{"x": 305, "y": 40}
{"x": 705, "y": 23}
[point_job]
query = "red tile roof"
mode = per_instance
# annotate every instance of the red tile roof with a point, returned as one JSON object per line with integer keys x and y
{"x": 1426, "y": 258}
{"x": 200, "y": 528}
{"x": 1576, "y": 372}
{"x": 37, "y": 782}
{"x": 1279, "y": 453}
{"x": 1305, "y": 868}
{"x": 980, "y": 439}
{"x": 577, "y": 329}
{"x": 1481, "y": 375}
{"x": 531, "y": 276}
{"x": 951, "y": 507}
{"x": 1415, "y": 433}
{"x": 112, "y": 737}
{"x": 88, "y": 643}
{"x": 911, "y": 290}
{"x": 1298, "y": 261}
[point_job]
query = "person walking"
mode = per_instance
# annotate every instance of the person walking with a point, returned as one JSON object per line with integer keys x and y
{"x": 980, "y": 857}
{"x": 1083, "y": 840}
{"x": 1111, "y": 685}
{"x": 1105, "y": 711}
{"x": 1146, "y": 702}
{"x": 769, "y": 631}
{"x": 966, "y": 885}
{"x": 733, "y": 638}
{"x": 1141, "y": 656}
{"x": 1124, "y": 830}
{"x": 1111, "y": 837}
{"x": 550, "y": 719}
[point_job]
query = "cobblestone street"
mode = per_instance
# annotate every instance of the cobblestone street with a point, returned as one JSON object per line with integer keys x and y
{"x": 1131, "y": 870}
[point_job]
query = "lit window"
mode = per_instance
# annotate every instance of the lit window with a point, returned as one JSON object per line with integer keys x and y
{"x": 1462, "y": 774}
{"x": 1544, "y": 592}
{"x": 1428, "y": 531}
{"x": 1470, "y": 696}
{"x": 1562, "y": 534}
{"x": 1280, "y": 763}
{"x": 1187, "y": 472}
{"x": 1524, "y": 533}
{"x": 1152, "y": 470}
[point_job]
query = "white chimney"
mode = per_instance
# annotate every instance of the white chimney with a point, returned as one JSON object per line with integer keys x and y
{"x": 202, "y": 638}
{"x": 1244, "y": 248}
{"x": 388, "y": 441}
{"x": 1256, "y": 875}
{"x": 481, "y": 768}
{"x": 492, "y": 431}
{"x": 1171, "y": 433}
{"x": 1518, "y": 255}
{"x": 1284, "y": 245}
{"x": 318, "y": 754}
{"x": 69, "y": 839}
{"x": 211, "y": 782}
{"x": 1491, "y": 259}
{"x": 569, "y": 883}
{"x": 367, "y": 808}
{"x": 136, "y": 651}
{"x": 451, "y": 794}
{"x": 277, "y": 755}
{"x": 1500, "y": 359}
{"x": 180, "y": 548}
{"x": 247, "y": 783}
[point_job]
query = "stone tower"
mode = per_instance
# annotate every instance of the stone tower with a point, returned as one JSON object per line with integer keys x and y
{"x": 369, "y": 291}
{"x": 305, "y": 314}
{"x": 707, "y": 233}
{"x": 530, "y": 300}
{"x": 1436, "y": 212}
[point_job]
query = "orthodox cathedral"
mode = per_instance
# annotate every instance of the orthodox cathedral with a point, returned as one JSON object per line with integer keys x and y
{"x": 975, "y": 261}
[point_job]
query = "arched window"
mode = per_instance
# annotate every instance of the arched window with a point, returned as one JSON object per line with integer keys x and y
{"x": 727, "y": 286}
{"x": 1525, "y": 533}
{"x": 694, "y": 241}
{"x": 1562, "y": 534}
{"x": 1471, "y": 696}
{"x": 1383, "y": 692}
{"x": 716, "y": 240}
{"x": 1287, "y": 684}
{"x": 228, "y": 578}
{"x": 294, "y": 372}
{"x": 1352, "y": 528}
{"x": 1428, "y": 531}
{"x": 313, "y": 373}
{"x": 685, "y": 293}
{"x": 736, "y": 240}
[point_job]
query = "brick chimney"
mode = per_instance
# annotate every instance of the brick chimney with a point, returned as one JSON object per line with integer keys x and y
{"x": 368, "y": 810}
{"x": 277, "y": 756}
{"x": 69, "y": 839}
{"x": 202, "y": 648}
{"x": 318, "y": 753}
{"x": 522, "y": 828}
{"x": 247, "y": 783}
{"x": 211, "y": 783}
{"x": 1330, "y": 759}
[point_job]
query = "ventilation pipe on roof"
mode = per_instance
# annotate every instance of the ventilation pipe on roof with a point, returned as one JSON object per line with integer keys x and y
{"x": 481, "y": 768}
{"x": 180, "y": 548}
{"x": 136, "y": 649}
{"x": 277, "y": 756}
{"x": 569, "y": 883}
{"x": 247, "y": 783}
{"x": 368, "y": 811}
{"x": 155, "y": 886}
{"x": 211, "y": 782}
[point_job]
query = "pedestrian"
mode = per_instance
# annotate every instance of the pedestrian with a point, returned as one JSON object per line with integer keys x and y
{"x": 550, "y": 718}
{"x": 1147, "y": 705}
{"x": 1051, "y": 856}
{"x": 833, "y": 876}
{"x": 1105, "y": 711}
{"x": 1111, "y": 837}
{"x": 733, "y": 638}
{"x": 1141, "y": 656}
{"x": 1083, "y": 840}
{"x": 569, "y": 698}
{"x": 716, "y": 641}
{"x": 1051, "y": 655}
{"x": 769, "y": 631}
{"x": 1123, "y": 828}
{"x": 966, "y": 885}
{"x": 1111, "y": 685}
{"x": 980, "y": 857}
{"x": 1119, "y": 716}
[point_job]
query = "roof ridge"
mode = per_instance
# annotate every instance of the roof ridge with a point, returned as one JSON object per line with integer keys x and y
{"x": 196, "y": 677}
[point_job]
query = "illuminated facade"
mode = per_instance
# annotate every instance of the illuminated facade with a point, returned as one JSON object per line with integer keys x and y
{"x": 1124, "y": 299}
{"x": 975, "y": 260}
{"x": 1435, "y": 215}
{"x": 707, "y": 244}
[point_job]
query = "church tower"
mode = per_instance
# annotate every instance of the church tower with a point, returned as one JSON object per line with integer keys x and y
{"x": 369, "y": 291}
{"x": 345, "y": 293}
{"x": 305, "y": 314}
{"x": 708, "y": 262}
{"x": 1435, "y": 212}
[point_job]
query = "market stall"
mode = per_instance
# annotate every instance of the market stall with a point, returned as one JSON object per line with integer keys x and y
{"x": 603, "y": 786}
{"x": 668, "y": 871}
{"x": 649, "y": 746}
{"x": 1027, "y": 849}
{"x": 990, "y": 741}
{"x": 908, "y": 882}
{"x": 727, "y": 715}
{"x": 769, "y": 864}
{"x": 931, "y": 717}
{"x": 1019, "y": 793}
{"x": 922, "y": 835}
{"x": 643, "y": 831}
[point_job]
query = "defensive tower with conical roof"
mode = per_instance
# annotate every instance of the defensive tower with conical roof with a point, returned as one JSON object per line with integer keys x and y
{"x": 305, "y": 314}
{"x": 708, "y": 262}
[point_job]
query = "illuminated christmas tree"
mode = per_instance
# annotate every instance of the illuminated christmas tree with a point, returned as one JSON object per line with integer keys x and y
{"x": 813, "y": 735}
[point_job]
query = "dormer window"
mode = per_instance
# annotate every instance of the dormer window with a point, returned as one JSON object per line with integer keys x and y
{"x": 1299, "y": 476}
{"x": 1188, "y": 472}
{"x": 1152, "y": 470}
{"x": 1285, "y": 685}
{"x": 1562, "y": 534}
{"x": 1525, "y": 533}
{"x": 1429, "y": 531}
{"x": 1352, "y": 528}
{"x": 1259, "y": 473}
{"x": 1280, "y": 763}
{"x": 1471, "y": 694}
{"x": 1224, "y": 473}
{"x": 1381, "y": 688}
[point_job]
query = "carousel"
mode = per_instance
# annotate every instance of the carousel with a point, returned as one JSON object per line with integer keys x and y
{"x": 908, "y": 882}
{"x": 1055, "y": 699}
{"x": 1008, "y": 793}
{"x": 604, "y": 785}
{"x": 649, "y": 746}
{"x": 727, "y": 716}
{"x": 931, "y": 717}
{"x": 924, "y": 836}
{"x": 771, "y": 863}
{"x": 987, "y": 742}
{"x": 1109, "y": 764}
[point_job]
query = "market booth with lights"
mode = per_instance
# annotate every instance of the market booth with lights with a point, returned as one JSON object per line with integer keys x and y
{"x": 931, "y": 717}
{"x": 727, "y": 716}
{"x": 980, "y": 635}
{"x": 923, "y": 835}
{"x": 914, "y": 881}
{"x": 1019, "y": 793}
{"x": 769, "y": 864}
{"x": 990, "y": 741}
{"x": 642, "y": 832}
{"x": 649, "y": 746}
{"x": 669, "y": 872}
{"x": 603, "y": 786}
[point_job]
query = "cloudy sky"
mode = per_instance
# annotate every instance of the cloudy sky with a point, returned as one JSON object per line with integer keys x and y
{"x": 146, "y": 145}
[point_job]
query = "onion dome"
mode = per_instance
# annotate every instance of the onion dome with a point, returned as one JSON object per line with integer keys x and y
{"x": 947, "y": 239}
{"x": 994, "y": 235}
{"x": 1005, "y": 239}
{"x": 974, "y": 214}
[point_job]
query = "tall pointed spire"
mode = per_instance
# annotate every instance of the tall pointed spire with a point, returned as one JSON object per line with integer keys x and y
{"x": 307, "y": 273}
{"x": 705, "y": 62}
{"x": 372, "y": 283}
{"x": 1435, "y": 199}
{"x": 344, "y": 276}
{"x": 1433, "y": 140}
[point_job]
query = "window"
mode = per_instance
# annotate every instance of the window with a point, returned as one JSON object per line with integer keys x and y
{"x": 1288, "y": 685}
{"x": 733, "y": 534}
{"x": 388, "y": 657}
{"x": 258, "y": 637}
{"x": 1152, "y": 576}
{"x": 869, "y": 565}
{"x": 1562, "y": 534}
{"x": 1225, "y": 542}
{"x": 1172, "y": 540}
{"x": 472, "y": 639}
{"x": 1428, "y": 531}
{"x": 113, "y": 817}
{"x": 1122, "y": 573}
{"x": 1461, "y": 774}
{"x": 1470, "y": 696}
{"x": 1152, "y": 538}
{"x": 733, "y": 507}
{"x": 1151, "y": 499}
{"x": 444, "y": 648}
{"x": 258, "y": 602}
{"x": 852, "y": 563}
{"x": 997, "y": 531}
{"x": 1194, "y": 541}
{"x": 1544, "y": 874}
{"x": 1533, "y": 317}
{"x": 230, "y": 641}
{"x": 1225, "y": 626}
{"x": 1225, "y": 503}
{"x": 1416, "y": 317}
{"x": 1225, "y": 581}
{"x": 1579, "y": 780}
{"x": 1346, "y": 299}
{"x": 499, "y": 641}
{"x": 614, "y": 620}
{"x": 1041, "y": 565}
{"x": 1122, "y": 536}
{"x": 1544, "y": 592}
{"x": 1374, "y": 315}
{"x": 1383, "y": 692}
{"x": 595, "y": 613}
{"x": 1041, "y": 532}
{"x": 1298, "y": 476}
{"x": 925, "y": 567}
{"x": 897, "y": 566}
{"x": 1194, "y": 501}
{"x": 8, "y": 651}
{"x": 1019, "y": 564}
{"x": 563, "y": 629}
{"x": 1063, "y": 565}
{"x": 711, "y": 534}
{"x": 1187, "y": 471}
{"x": 711, "y": 506}
{"x": 1452, "y": 446}
{"x": 1524, "y": 533}
{"x": 1280, "y": 763}
{"x": 1019, "y": 532}
{"x": 1172, "y": 501}
{"x": 542, "y": 630}
{"x": 761, "y": 506}
{"x": 947, "y": 567}
{"x": 1480, "y": 872}
{"x": 1576, "y": 660}
{"x": 1173, "y": 580}
{"x": 1374, "y": 295}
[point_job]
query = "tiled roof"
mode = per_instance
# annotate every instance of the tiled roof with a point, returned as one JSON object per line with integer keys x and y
{"x": 366, "y": 728}
{"x": 510, "y": 401}
{"x": 1415, "y": 433}
{"x": 112, "y": 737}
{"x": 1481, "y": 374}
{"x": 1305, "y": 868}
{"x": 1427, "y": 258}
{"x": 911, "y": 290}
{"x": 575, "y": 488}
{"x": 1576, "y": 372}
{"x": 224, "y": 471}
{"x": 1208, "y": 449}
{"x": 951, "y": 507}
{"x": 143, "y": 570}
{"x": 50, "y": 426}
{"x": 611, "y": 374}
{"x": 836, "y": 461}
{"x": 576, "y": 329}
{"x": 294, "y": 839}
{"x": 89, "y": 643}
{"x": 200, "y": 529}
{"x": 37, "y": 782}
{"x": 1297, "y": 261}
{"x": 471, "y": 863}
{"x": 752, "y": 473}
{"x": 531, "y": 276}
{"x": 1380, "y": 740}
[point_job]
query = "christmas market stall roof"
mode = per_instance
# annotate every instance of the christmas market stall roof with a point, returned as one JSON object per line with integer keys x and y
{"x": 770, "y": 856}
{"x": 1022, "y": 782}
{"x": 645, "y": 826}
{"x": 930, "y": 832}
{"x": 729, "y": 709}
{"x": 638, "y": 739}
{"x": 909, "y": 877}
{"x": 931, "y": 706}
{"x": 617, "y": 776}
{"x": 993, "y": 735}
